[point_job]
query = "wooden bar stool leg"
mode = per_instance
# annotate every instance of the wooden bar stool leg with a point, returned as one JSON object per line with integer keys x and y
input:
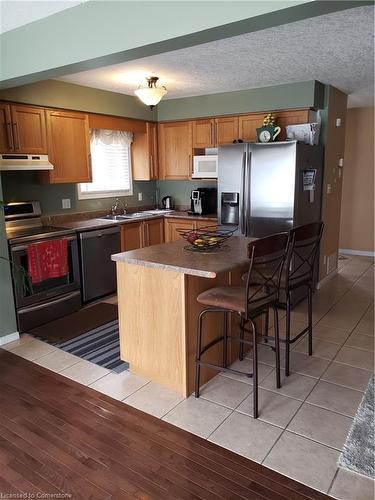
{"x": 198, "y": 354}
{"x": 277, "y": 346}
{"x": 287, "y": 335}
{"x": 310, "y": 321}
{"x": 225, "y": 343}
{"x": 255, "y": 370}
{"x": 266, "y": 326}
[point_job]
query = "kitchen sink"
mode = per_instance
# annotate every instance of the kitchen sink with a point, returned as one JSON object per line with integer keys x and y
{"x": 136, "y": 215}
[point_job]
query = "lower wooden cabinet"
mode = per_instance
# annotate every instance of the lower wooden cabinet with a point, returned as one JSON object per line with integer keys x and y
{"x": 171, "y": 226}
{"x": 141, "y": 234}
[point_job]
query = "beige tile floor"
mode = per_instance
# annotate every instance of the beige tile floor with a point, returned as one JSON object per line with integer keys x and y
{"x": 302, "y": 426}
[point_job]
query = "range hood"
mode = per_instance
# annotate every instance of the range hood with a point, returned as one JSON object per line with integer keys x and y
{"x": 24, "y": 162}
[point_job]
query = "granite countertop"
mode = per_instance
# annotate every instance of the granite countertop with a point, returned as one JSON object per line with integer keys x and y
{"x": 102, "y": 223}
{"x": 174, "y": 257}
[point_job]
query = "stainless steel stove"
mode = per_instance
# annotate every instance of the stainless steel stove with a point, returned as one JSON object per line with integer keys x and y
{"x": 51, "y": 298}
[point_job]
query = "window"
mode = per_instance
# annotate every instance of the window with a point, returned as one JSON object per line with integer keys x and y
{"x": 111, "y": 165}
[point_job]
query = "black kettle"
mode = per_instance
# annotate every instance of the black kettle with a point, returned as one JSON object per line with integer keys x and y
{"x": 167, "y": 202}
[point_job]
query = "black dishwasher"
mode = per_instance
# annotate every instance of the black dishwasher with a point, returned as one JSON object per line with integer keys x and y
{"x": 98, "y": 271}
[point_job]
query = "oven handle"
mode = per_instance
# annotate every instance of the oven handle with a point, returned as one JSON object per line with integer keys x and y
{"x": 24, "y": 247}
{"x": 49, "y": 302}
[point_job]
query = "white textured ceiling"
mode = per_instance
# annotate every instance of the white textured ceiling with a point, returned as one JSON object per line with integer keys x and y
{"x": 16, "y": 13}
{"x": 336, "y": 49}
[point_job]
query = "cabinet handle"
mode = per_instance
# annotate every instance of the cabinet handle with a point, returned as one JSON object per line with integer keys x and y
{"x": 16, "y": 136}
{"x": 10, "y": 136}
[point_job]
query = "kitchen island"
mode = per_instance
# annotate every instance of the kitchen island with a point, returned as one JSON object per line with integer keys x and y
{"x": 158, "y": 309}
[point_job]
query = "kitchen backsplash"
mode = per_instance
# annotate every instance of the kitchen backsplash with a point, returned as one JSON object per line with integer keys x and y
{"x": 23, "y": 186}
{"x": 20, "y": 186}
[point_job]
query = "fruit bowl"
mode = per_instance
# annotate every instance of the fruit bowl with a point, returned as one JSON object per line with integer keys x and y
{"x": 206, "y": 239}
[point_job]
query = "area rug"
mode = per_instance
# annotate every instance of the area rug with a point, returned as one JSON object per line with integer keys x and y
{"x": 359, "y": 450}
{"x": 100, "y": 346}
{"x": 77, "y": 323}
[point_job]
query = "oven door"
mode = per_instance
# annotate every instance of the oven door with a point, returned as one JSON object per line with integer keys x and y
{"x": 50, "y": 288}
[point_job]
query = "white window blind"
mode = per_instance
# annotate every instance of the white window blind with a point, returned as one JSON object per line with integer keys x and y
{"x": 111, "y": 165}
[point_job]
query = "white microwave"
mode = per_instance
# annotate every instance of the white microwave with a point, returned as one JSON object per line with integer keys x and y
{"x": 205, "y": 167}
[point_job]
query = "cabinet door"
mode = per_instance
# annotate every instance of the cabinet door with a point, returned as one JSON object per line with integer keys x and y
{"x": 290, "y": 117}
{"x": 68, "y": 146}
{"x": 29, "y": 129}
{"x": 175, "y": 150}
{"x": 145, "y": 154}
{"x": 153, "y": 232}
{"x": 6, "y": 137}
{"x": 204, "y": 133}
{"x": 226, "y": 129}
{"x": 171, "y": 226}
{"x": 209, "y": 224}
{"x": 152, "y": 138}
{"x": 131, "y": 236}
{"x": 248, "y": 125}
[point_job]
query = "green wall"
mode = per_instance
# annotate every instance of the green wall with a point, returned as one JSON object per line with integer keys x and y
{"x": 24, "y": 186}
{"x": 180, "y": 190}
{"x": 308, "y": 94}
{"x": 56, "y": 94}
{"x": 8, "y": 322}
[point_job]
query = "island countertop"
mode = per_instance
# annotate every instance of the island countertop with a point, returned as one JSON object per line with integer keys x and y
{"x": 175, "y": 257}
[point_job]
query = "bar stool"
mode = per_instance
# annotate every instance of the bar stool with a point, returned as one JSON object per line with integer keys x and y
{"x": 261, "y": 292}
{"x": 304, "y": 244}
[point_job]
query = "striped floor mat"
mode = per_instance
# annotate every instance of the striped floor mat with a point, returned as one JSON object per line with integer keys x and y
{"x": 100, "y": 346}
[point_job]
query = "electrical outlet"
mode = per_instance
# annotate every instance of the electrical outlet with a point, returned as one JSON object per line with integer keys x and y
{"x": 140, "y": 196}
{"x": 329, "y": 188}
{"x": 338, "y": 122}
{"x": 65, "y": 203}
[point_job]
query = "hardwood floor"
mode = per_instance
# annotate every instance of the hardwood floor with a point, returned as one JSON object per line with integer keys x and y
{"x": 57, "y": 436}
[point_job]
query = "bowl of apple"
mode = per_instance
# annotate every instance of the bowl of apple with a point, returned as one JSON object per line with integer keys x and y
{"x": 206, "y": 239}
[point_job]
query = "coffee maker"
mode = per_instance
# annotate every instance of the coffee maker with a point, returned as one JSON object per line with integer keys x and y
{"x": 203, "y": 201}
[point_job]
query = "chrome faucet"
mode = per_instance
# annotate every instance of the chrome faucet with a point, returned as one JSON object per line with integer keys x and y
{"x": 118, "y": 208}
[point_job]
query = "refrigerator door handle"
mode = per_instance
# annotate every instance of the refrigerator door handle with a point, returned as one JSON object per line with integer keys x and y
{"x": 247, "y": 193}
{"x": 242, "y": 194}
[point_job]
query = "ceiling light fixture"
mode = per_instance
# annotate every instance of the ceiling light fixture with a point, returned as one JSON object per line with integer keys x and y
{"x": 151, "y": 95}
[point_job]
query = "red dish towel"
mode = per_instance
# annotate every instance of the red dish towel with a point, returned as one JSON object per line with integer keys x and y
{"x": 47, "y": 259}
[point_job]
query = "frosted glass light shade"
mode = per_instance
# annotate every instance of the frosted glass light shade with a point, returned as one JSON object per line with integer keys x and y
{"x": 150, "y": 96}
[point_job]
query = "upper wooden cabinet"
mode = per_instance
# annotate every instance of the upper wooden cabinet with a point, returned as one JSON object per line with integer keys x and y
{"x": 175, "y": 150}
{"x": 249, "y": 123}
{"x": 145, "y": 154}
{"x": 226, "y": 129}
{"x": 23, "y": 129}
{"x": 68, "y": 147}
{"x": 212, "y": 132}
{"x": 204, "y": 135}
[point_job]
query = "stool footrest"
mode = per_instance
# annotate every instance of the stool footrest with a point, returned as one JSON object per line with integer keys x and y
{"x": 222, "y": 369}
{"x": 301, "y": 333}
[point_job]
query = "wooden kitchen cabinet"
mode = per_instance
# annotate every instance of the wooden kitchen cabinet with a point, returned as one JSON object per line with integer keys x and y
{"x": 175, "y": 150}
{"x": 212, "y": 132}
{"x": 23, "y": 129}
{"x": 68, "y": 147}
{"x": 204, "y": 133}
{"x": 153, "y": 230}
{"x": 141, "y": 234}
{"x": 145, "y": 154}
{"x": 171, "y": 225}
{"x": 131, "y": 236}
{"x": 249, "y": 123}
{"x": 226, "y": 129}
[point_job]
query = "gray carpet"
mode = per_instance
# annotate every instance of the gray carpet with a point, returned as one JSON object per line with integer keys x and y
{"x": 359, "y": 450}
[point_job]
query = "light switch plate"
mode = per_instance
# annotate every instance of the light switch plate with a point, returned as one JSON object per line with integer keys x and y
{"x": 65, "y": 202}
{"x": 140, "y": 196}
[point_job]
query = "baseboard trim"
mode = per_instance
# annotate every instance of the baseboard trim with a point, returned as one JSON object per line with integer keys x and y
{"x": 11, "y": 337}
{"x": 362, "y": 253}
{"x": 324, "y": 280}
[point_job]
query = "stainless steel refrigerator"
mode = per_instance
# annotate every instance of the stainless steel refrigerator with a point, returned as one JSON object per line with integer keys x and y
{"x": 267, "y": 188}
